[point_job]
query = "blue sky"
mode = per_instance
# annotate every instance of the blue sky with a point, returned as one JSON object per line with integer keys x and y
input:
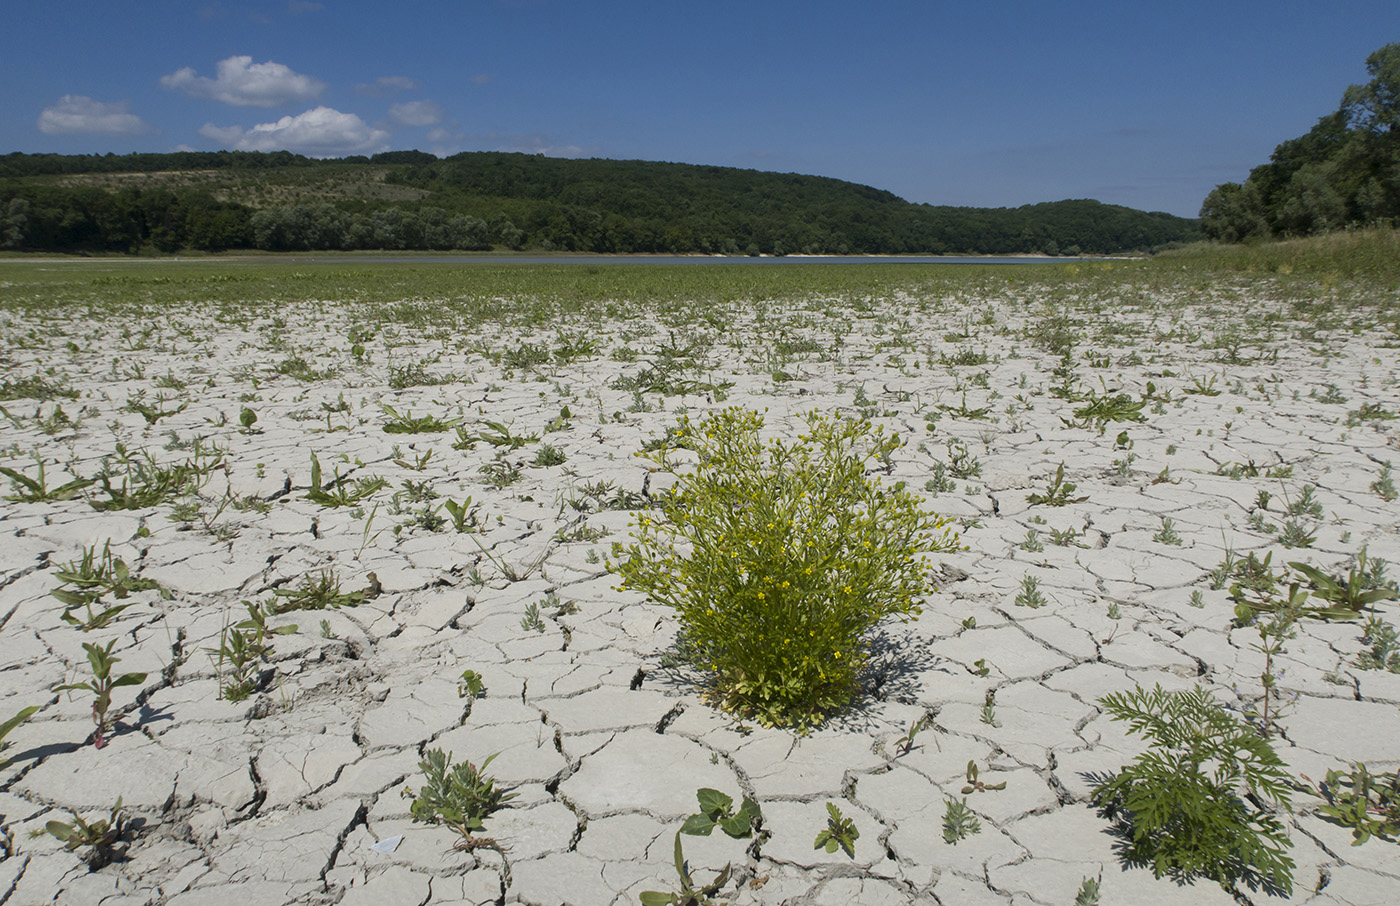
{"x": 970, "y": 103}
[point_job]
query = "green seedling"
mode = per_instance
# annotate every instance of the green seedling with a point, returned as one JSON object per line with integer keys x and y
{"x": 5, "y": 728}
{"x": 320, "y": 594}
{"x": 905, "y": 743}
{"x": 532, "y": 622}
{"x": 1030, "y": 594}
{"x": 549, "y": 455}
{"x": 246, "y": 419}
{"x": 500, "y": 473}
{"x": 98, "y": 835}
{"x": 459, "y": 797}
{"x": 1200, "y": 388}
{"x": 152, "y": 413}
{"x": 340, "y": 492}
{"x": 36, "y": 490}
{"x": 975, "y": 785}
{"x": 989, "y": 708}
{"x": 1100, "y": 410}
{"x": 101, "y": 687}
{"x": 242, "y": 646}
{"x": 1384, "y": 642}
{"x": 959, "y": 822}
{"x": 407, "y": 423}
{"x": 969, "y": 622}
{"x": 840, "y": 832}
{"x": 1088, "y": 894}
{"x": 145, "y": 484}
{"x": 1057, "y": 493}
{"x": 1367, "y": 804}
{"x": 1168, "y": 534}
{"x": 689, "y": 894}
{"x": 1384, "y": 486}
{"x": 717, "y": 810}
{"x": 94, "y": 578}
{"x": 496, "y": 434}
{"x": 463, "y": 514}
{"x": 417, "y": 464}
{"x": 1350, "y": 595}
{"x": 1201, "y": 801}
{"x": 470, "y": 685}
{"x": 979, "y": 667}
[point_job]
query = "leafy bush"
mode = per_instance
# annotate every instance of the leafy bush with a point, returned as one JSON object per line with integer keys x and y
{"x": 1196, "y": 802}
{"x": 780, "y": 558}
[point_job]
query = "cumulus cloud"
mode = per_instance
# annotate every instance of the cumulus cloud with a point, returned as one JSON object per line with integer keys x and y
{"x": 416, "y": 113}
{"x": 243, "y": 83}
{"x": 319, "y": 132}
{"x": 385, "y": 85}
{"x": 75, "y": 113}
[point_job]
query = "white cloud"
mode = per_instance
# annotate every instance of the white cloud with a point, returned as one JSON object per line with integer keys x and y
{"x": 416, "y": 113}
{"x": 243, "y": 83}
{"x": 224, "y": 135}
{"x": 74, "y": 114}
{"x": 319, "y": 132}
{"x": 386, "y": 85}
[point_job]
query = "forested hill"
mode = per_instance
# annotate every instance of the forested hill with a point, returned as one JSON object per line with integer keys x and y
{"x": 481, "y": 200}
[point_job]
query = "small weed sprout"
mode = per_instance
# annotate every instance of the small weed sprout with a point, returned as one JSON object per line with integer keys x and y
{"x": 5, "y": 728}
{"x": 1088, "y": 894}
{"x": 1384, "y": 486}
{"x": 717, "y": 810}
{"x": 905, "y": 743}
{"x": 792, "y": 555}
{"x": 457, "y": 796}
{"x": 959, "y": 822}
{"x": 689, "y": 894}
{"x": 1367, "y": 804}
{"x": 532, "y": 621}
{"x": 98, "y": 836}
{"x": 840, "y": 832}
{"x": 1168, "y": 534}
{"x": 101, "y": 686}
{"x": 975, "y": 785}
{"x": 471, "y": 685}
{"x": 1030, "y": 594}
{"x": 1057, "y": 493}
{"x": 36, "y": 490}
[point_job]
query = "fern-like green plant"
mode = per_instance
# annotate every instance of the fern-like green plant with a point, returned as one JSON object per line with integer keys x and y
{"x": 1202, "y": 801}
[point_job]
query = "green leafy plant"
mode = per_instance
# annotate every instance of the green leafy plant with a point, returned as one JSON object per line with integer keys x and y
{"x": 1088, "y": 894}
{"x": 152, "y": 413}
{"x": 1030, "y": 594}
{"x": 975, "y": 785}
{"x": 497, "y": 434}
{"x": 463, "y": 514}
{"x": 840, "y": 832}
{"x": 1384, "y": 650}
{"x": 988, "y": 714}
{"x": 101, "y": 686}
{"x": 320, "y": 593}
{"x": 780, "y": 558}
{"x": 1100, "y": 410}
{"x": 457, "y": 796}
{"x": 959, "y": 822}
{"x": 1384, "y": 486}
{"x": 1348, "y": 595}
{"x": 1367, "y": 804}
{"x": 341, "y": 491}
{"x": 549, "y": 455}
{"x": 1168, "y": 534}
{"x": 36, "y": 490}
{"x": 98, "y": 836}
{"x": 242, "y": 647}
{"x": 532, "y": 621}
{"x": 471, "y": 685}
{"x": 905, "y": 743}
{"x": 717, "y": 810}
{"x": 93, "y": 578}
{"x": 407, "y": 423}
{"x": 1057, "y": 493}
{"x": 144, "y": 483}
{"x": 5, "y": 728}
{"x": 689, "y": 894}
{"x": 1199, "y": 802}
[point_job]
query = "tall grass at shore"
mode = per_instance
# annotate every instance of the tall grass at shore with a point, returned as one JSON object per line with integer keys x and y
{"x": 1372, "y": 253}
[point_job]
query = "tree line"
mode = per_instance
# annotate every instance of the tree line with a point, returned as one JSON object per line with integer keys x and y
{"x": 1344, "y": 172}
{"x": 482, "y": 200}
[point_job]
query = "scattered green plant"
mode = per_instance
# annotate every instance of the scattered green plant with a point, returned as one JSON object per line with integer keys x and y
{"x": 717, "y": 810}
{"x": 471, "y": 685}
{"x": 99, "y": 836}
{"x": 1168, "y": 534}
{"x": 1384, "y": 486}
{"x": 1384, "y": 650}
{"x": 101, "y": 661}
{"x": 905, "y": 743}
{"x": 1057, "y": 493}
{"x": 840, "y": 832}
{"x": 320, "y": 593}
{"x": 959, "y": 822}
{"x": 93, "y": 578}
{"x": 1088, "y": 894}
{"x": 36, "y": 490}
{"x": 341, "y": 491}
{"x": 242, "y": 647}
{"x": 689, "y": 894}
{"x": 9, "y": 725}
{"x": 459, "y": 797}
{"x": 532, "y": 621}
{"x": 975, "y": 785}
{"x": 1030, "y": 594}
{"x": 1201, "y": 801}
{"x": 1367, "y": 804}
{"x": 408, "y": 423}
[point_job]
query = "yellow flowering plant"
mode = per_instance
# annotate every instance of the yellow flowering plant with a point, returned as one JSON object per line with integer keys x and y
{"x": 780, "y": 558}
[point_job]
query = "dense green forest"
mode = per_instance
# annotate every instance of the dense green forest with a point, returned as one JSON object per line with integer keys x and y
{"x": 1344, "y": 172}
{"x": 280, "y": 201}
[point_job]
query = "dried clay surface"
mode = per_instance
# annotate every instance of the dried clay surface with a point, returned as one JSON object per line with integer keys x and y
{"x": 294, "y": 794}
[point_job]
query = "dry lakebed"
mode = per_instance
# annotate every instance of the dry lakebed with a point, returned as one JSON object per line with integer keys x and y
{"x": 1122, "y": 462}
